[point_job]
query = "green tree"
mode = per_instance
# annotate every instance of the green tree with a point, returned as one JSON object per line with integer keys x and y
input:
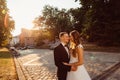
{"x": 101, "y": 21}
{"x": 55, "y": 20}
{"x": 5, "y": 30}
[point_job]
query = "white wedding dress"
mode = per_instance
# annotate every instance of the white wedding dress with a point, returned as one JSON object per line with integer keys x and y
{"x": 81, "y": 73}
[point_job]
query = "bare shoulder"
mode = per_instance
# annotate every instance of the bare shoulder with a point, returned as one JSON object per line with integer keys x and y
{"x": 79, "y": 48}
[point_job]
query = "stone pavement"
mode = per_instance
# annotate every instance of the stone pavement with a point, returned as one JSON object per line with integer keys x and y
{"x": 38, "y": 64}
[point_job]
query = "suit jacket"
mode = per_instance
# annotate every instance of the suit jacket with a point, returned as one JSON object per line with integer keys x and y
{"x": 60, "y": 56}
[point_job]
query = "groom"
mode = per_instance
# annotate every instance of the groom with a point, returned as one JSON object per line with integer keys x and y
{"x": 61, "y": 54}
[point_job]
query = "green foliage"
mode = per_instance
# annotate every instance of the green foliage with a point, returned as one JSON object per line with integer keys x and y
{"x": 101, "y": 21}
{"x": 55, "y": 20}
{"x": 5, "y": 31}
{"x": 60, "y": 20}
{"x": 97, "y": 21}
{"x": 44, "y": 35}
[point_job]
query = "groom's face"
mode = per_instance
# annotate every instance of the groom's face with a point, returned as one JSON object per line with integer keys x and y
{"x": 65, "y": 38}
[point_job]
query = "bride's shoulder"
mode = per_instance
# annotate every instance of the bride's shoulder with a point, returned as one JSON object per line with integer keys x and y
{"x": 80, "y": 46}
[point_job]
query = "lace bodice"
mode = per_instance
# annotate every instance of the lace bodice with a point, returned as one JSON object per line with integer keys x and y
{"x": 75, "y": 59}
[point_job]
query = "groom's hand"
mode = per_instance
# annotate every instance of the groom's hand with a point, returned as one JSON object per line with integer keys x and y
{"x": 73, "y": 68}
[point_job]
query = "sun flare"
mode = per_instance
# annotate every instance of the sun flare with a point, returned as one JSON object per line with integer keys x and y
{"x": 23, "y": 12}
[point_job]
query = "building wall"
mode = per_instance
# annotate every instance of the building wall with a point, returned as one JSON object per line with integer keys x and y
{"x": 28, "y": 37}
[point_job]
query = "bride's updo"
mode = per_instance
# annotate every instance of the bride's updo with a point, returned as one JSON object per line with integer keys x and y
{"x": 75, "y": 41}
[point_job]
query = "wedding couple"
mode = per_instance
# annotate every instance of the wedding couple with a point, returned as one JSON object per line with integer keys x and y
{"x": 69, "y": 57}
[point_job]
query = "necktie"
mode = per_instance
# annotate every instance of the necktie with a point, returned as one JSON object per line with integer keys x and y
{"x": 67, "y": 46}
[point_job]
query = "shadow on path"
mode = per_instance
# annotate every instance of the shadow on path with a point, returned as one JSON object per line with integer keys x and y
{"x": 108, "y": 72}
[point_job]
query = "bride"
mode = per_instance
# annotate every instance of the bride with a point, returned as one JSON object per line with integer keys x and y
{"x": 76, "y": 58}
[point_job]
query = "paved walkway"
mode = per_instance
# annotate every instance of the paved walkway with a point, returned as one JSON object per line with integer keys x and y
{"x": 38, "y": 64}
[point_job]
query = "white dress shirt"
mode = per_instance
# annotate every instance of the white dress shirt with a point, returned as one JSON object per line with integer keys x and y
{"x": 65, "y": 48}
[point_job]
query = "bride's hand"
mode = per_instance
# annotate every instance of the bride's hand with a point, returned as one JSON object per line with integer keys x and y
{"x": 67, "y": 64}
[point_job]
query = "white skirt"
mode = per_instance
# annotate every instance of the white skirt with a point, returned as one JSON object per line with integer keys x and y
{"x": 80, "y": 74}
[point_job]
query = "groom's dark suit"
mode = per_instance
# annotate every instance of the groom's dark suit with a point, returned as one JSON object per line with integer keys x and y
{"x": 60, "y": 56}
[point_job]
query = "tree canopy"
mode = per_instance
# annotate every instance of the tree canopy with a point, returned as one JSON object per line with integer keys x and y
{"x": 97, "y": 20}
{"x": 55, "y": 20}
{"x": 101, "y": 21}
{"x": 6, "y": 24}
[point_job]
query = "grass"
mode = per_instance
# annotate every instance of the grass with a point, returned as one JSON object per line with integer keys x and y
{"x": 93, "y": 47}
{"x": 7, "y": 66}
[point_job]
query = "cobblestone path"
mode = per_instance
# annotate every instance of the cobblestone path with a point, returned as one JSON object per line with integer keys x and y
{"x": 38, "y": 64}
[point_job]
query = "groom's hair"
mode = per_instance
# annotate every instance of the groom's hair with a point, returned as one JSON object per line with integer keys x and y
{"x": 62, "y": 33}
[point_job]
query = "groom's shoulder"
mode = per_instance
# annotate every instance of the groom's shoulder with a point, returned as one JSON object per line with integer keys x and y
{"x": 58, "y": 46}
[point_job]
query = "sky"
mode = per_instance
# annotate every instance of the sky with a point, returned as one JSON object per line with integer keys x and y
{"x": 23, "y": 12}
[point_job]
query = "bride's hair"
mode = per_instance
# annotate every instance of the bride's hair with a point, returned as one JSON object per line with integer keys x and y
{"x": 76, "y": 39}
